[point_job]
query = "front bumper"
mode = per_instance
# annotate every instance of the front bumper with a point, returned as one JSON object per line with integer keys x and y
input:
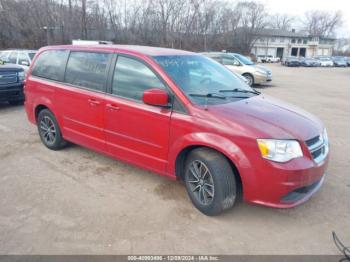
{"x": 12, "y": 92}
{"x": 261, "y": 79}
{"x": 286, "y": 185}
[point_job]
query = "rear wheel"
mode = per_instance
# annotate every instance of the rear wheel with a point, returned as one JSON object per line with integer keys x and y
{"x": 49, "y": 131}
{"x": 250, "y": 79}
{"x": 210, "y": 181}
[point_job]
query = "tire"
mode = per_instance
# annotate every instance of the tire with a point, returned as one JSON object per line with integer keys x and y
{"x": 16, "y": 102}
{"x": 250, "y": 79}
{"x": 49, "y": 131}
{"x": 215, "y": 190}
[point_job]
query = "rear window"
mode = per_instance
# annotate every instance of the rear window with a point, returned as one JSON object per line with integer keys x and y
{"x": 50, "y": 64}
{"x": 87, "y": 69}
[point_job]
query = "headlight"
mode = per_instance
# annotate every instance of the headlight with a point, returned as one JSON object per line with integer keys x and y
{"x": 279, "y": 150}
{"x": 21, "y": 76}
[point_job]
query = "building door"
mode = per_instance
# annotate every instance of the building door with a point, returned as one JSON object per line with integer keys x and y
{"x": 280, "y": 52}
{"x": 294, "y": 51}
{"x": 302, "y": 52}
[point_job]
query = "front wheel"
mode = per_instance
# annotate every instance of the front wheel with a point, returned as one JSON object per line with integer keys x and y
{"x": 210, "y": 181}
{"x": 249, "y": 78}
{"x": 49, "y": 131}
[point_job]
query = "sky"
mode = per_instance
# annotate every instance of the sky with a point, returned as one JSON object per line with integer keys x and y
{"x": 299, "y": 7}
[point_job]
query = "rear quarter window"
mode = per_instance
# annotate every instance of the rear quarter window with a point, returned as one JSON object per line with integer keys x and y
{"x": 51, "y": 64}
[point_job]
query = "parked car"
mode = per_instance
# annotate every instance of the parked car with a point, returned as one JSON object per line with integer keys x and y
{"x": 11, "y": 84}
{"x": 182, "y": 115}
{"x": 291, "y": 61}
{"x": 22, "y": 58}
{"x": 347, "y": 59}
{"x": 239, "y": 64}
{"x": 309, "y": 62}
{"x": 325, "y": 61}
{"x": 339, "y": 61}
{"x": 268, "y": 59}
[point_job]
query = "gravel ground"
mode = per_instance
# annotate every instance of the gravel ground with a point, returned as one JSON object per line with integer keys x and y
{"x": 76, "y": 201}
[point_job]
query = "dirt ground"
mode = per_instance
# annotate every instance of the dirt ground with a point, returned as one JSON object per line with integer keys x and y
{"x": 76, "y": 201}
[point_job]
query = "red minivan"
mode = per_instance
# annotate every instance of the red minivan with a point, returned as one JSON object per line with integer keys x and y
{"x": 181, "y": 115}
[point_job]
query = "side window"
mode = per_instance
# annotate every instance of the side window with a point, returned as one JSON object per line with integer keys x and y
{"x": 4, "y": 55}
{"x": 50, "y": 64}
{"x": 31, "y": 56}
{"x": 132, "y": 77}
{"x": 217, "y": 59}
{"x": 87, "y": 69}
{"x": 23, "y": 59}
{"x": 13, "y": 58}
{"x": 230, "y": 61}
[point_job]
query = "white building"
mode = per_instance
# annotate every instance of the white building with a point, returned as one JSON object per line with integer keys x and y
{"x": 280, "y": 43}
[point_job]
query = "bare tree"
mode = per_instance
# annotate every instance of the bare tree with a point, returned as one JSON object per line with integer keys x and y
{"x": 252, "y": 19}
{"x": 322, "y": 23}
{"x": 187, "y": 24}
{"x": 281, "y": 21}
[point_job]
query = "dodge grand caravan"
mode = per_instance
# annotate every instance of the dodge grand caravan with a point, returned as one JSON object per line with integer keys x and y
{"x": 181, "y": 115}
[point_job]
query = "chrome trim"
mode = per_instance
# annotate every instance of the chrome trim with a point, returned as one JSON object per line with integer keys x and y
{"x": 316, "y": 146}
{"x": 321, "y": 144}
{"x": 322, "y": 156}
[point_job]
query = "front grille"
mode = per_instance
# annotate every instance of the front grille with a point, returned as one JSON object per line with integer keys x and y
{"x": 312, "y": 141}
{"x": 318, "y": 147}
{"x": 8, "y": 78}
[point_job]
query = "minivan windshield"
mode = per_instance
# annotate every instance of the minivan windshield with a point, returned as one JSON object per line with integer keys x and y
{"x": 203, "y": 80}
{"x": 244, "y": 59}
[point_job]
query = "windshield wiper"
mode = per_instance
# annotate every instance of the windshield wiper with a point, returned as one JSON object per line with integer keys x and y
{"x": 209, "y": 95}
{"x": 240, "y": 91}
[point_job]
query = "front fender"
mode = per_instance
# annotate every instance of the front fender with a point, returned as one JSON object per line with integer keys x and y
{"x": 219, "y": 143}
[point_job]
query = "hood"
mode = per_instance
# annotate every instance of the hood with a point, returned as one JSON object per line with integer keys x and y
{"x": 10, "y": 68}
{"x": 268, "y": 117}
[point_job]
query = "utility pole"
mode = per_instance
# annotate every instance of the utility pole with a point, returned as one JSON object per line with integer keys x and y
{"x": 46, "y": 28}
{"x": 49, "y": 30}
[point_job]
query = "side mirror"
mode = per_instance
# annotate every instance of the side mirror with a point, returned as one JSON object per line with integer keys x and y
{"x": 25, "y": 63}
{"x": 156, "y": 97}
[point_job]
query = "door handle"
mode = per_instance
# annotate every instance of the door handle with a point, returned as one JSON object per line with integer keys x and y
{"x": 112, "y": 107}
{"x": 94, "y": 102}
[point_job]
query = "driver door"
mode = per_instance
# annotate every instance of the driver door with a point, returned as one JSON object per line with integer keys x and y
{"x": 136, "y": 132}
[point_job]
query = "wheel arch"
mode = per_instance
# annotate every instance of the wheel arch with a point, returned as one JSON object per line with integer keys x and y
{"x": 183, "y": 154}
{"x": 37, "y": 110}
{"x": 40, "y": 105}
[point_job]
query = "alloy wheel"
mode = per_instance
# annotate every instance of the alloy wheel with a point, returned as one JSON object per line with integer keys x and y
{"x": 201, "y": 182}
{"x": 48, "y": 130}
{"x": 249, "y": 79}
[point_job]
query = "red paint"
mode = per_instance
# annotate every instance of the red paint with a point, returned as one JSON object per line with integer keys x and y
{"x": 152, "y": 137}
{"x": 156, "y": 97}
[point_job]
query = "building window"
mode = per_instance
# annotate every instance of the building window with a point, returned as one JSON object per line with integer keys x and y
{"x": 305, "y": 41}
{"x": 281, "y": 39}
{"x": 299, "y": 41}
{"x": 262, "y": 40}
{"x": 293, "y": 40}
{"x": 273, "y": 39}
